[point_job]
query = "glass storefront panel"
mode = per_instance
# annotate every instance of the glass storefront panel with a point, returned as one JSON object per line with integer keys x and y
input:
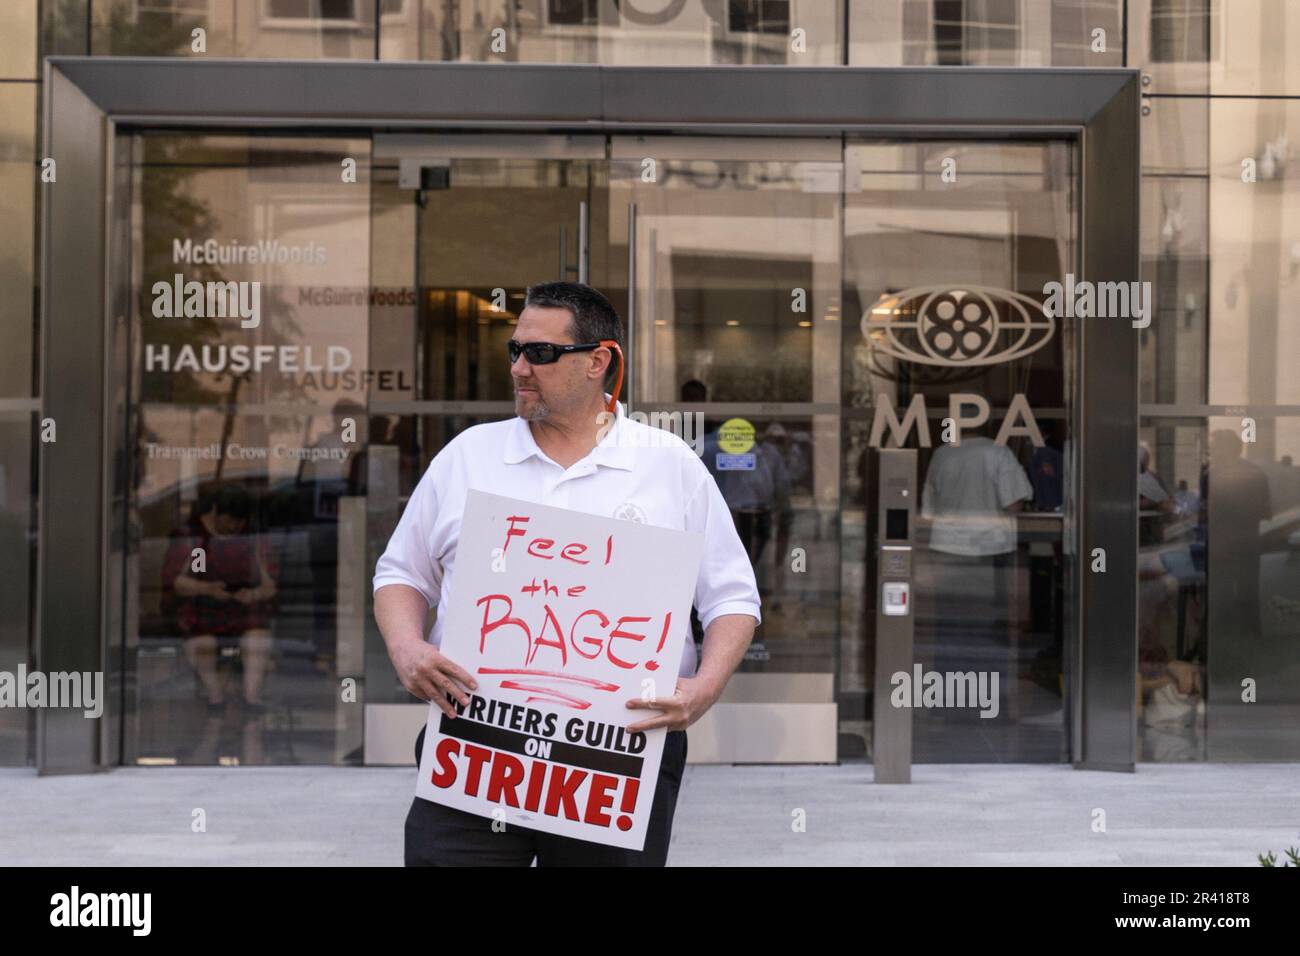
{"x": 1175, "y": 250}
{"x": 245, "y": 586}
{"x": 614, "y": 32}
{"x": 1252, "y": 448}
{"x": 279, "y": 29}
{"x": 18, "y": 41}
{"x": 1171, "y": 591}
{"x": 1174, "y": 42}
{"x": 18, "y": 186}
{"x": 948, "y": 250}
{"x": 1086, "y": 33}
{"x": 1255, "y": 252}
{"x": 736, "y": 252}
{"x": 1217, "y": 47}
{"x": 464, "y": 224}
{"x": 17, "y": 547}
{"x": 18, "y": 404}
{"x": 1218, "y": 575}
{"x": 414, "y": 280}
{"x": 64, "y": 28}
{"x": 1218, "y": 529}
{"x": 1251, "y": 498}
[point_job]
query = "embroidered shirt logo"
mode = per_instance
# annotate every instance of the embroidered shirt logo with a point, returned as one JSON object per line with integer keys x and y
{"x": 629, "y": 511}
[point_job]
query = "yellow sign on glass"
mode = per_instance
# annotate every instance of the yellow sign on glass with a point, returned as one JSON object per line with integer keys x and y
{"x": 736, "y": 436}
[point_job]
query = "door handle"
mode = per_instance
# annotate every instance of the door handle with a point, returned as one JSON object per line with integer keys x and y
{"x": 584, "y": 248}
{"x": 631, "y": 303}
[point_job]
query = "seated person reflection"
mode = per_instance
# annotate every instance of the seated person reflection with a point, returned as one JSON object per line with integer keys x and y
{"x": 227, "y": 592}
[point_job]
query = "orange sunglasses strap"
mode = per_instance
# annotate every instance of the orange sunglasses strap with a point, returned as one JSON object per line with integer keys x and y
{"x": 618, "y": 381}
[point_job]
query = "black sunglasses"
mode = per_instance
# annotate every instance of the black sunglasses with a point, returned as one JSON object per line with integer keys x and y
{"x": 544, "y": 353}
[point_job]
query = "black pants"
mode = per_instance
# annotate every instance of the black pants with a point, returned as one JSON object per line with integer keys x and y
{"x": 443, "y": 836}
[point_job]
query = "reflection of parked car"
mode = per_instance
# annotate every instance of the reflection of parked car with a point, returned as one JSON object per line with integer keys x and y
{"x": 281, "y": 522}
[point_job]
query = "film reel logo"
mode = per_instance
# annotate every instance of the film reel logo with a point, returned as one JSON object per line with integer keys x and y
{"x": 957, "y": 328}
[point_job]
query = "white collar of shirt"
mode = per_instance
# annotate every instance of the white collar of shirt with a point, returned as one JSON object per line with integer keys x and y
{"x": 611, "y": 450}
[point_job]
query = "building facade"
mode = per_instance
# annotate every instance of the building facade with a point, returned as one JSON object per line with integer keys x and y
{"x": 811, "y": 286}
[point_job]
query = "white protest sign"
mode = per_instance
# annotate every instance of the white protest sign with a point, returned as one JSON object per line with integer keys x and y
{"x": 561, "y": 617}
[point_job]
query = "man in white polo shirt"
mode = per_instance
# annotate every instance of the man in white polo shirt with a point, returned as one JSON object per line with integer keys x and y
{"x": 571, "y": 446}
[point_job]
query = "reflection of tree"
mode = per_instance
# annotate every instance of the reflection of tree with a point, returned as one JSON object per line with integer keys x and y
{"x": 170, "y": 212}
{"x": 167, "y": 212}
{"x": 123, "y": 30}
{"x": 120, "y": 28}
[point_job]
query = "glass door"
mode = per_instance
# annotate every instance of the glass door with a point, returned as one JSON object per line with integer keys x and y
{"x": 950, "y": 248}
{"x": 728, "y": 252}
{"x": 236, "y": 590}
{"x": 463, "y": 224}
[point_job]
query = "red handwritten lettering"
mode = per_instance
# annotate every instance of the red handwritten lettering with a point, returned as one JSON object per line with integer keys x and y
{"x": 558, "y": 643}
{"x": 619, "y": 634}
{"x": 596, "y": 644}
{"x": 571, "y": 549}
{"x": 541, "y": 544}
{"x": 512, "y": 531}
{"x": 502, "y": 621}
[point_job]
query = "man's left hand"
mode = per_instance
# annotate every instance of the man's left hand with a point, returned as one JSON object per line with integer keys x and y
{"x": 687, "y": 705}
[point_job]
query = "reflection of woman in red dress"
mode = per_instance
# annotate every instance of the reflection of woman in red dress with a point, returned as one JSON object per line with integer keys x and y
{"x": 230, "y": 594}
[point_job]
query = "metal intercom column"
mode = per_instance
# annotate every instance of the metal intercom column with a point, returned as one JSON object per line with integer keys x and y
{"x": 896, "y": 521}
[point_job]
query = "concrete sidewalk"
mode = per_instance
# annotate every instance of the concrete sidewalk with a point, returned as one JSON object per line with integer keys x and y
{"x": 951, "y": 815}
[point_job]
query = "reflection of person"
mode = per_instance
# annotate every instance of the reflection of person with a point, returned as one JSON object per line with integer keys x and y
{"x": 553, "y": 453}
{"x": 971, "y": 495}
{"x": 229, "y": 597}
{"x": 333, "y": 475}
{"x": 753, "y": 495}
{"x": 972, "y": 492}
{"x": 1154, "y": 502}
{"x": 1171, "y": 695}
{"x": 1156, "y": 586}
{"x": 330, "y": 471}
{"x": 1046, "y": 577}
{"x": 1241, "y": 501}
{"x": 1047, "y": 469}
{"x": 695, "y": 392}
{"x": 783, "y": 458}
{"x": 1186, "y": 502}
{"x": 1154, "y": 506}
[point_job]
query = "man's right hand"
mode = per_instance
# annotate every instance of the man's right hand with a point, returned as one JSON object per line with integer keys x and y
{"x": 430, "y": 675}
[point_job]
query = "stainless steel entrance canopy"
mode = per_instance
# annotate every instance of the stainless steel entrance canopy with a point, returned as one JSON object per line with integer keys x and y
{"x": 88, "y": 101}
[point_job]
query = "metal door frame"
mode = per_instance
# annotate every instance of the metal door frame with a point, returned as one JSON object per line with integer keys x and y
{"x": 89, "y": 100}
